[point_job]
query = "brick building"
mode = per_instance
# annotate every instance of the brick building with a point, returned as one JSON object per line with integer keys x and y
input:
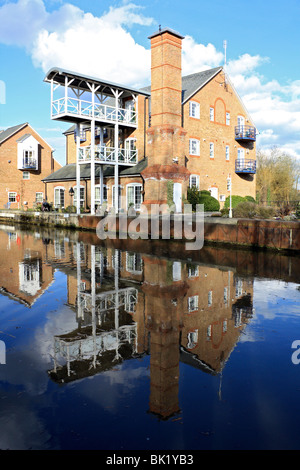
{"x": 26, "y": 159}
{"x": 181, "y": 131}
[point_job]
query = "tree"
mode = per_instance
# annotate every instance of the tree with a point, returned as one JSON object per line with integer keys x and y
{"x": 277, "y": 177}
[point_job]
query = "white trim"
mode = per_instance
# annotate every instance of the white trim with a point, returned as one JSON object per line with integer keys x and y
{"x": 134, "y": 185}
{"x": 197, "y": 152}
{"x": 197, "y": 185}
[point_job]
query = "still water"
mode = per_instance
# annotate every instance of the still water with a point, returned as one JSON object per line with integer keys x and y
{"x": 141, "y": 347}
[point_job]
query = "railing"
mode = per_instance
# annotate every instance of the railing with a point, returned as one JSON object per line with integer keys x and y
{"x": 29, "y": 163}
{"x": 108, "y": 155}
{"x": 84, "y": 108}
{"x": 245, "y": 133}
{"x": 245, "y": 166}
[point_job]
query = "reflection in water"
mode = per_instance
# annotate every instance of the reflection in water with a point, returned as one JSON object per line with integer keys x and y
{"x": 129, "y": 305}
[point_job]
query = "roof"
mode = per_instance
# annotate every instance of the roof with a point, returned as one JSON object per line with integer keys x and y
{"x": 10, "y": 131}
{"x": 68, "y": 172}
{"x": 79, "y": 80}
{"x": 166, "y": 30}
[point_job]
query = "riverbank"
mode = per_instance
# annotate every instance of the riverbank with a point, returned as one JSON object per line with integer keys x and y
{"x": 278, "y": 235}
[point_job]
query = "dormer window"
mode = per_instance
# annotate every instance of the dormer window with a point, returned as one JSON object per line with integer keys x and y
{"x": 27, "y": 153}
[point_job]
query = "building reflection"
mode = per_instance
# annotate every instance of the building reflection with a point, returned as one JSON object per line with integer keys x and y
{"x": 128, "y": 305}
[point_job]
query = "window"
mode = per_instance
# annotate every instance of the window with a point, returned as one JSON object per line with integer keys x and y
{"x": 211, "y": 114}
{"x": 241, "y": 154}
{"x": 194, "y": 147}
{"x": 195, "y": 181}
{"x": 222, "y": 197}
{"x": 227, "y": 153}
{"x": 134, "y": 195}
{"x": 97, "y": 194}
{"x": 59, "y": 197}
{"x": 29, "y": 160}
{"x": 12, "y": 197}
{"x": 134, "y": 263}
{"x": 39, "y": 197}
{"x": 211, "y": 150}
{"x": 193, "y": 303}
{"x": 209, "y": 300}
{"x": 225, "y": 295}
{"x": 227, "y": 119}
{"x": 26, "y": 175}
{"x": 192, "y": 339}
{"x": 194, "y": 110}
{"x": 81, "y": 196}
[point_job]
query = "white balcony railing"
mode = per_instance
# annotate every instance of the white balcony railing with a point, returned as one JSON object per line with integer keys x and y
{"x": 29, "y": 163}
{"x": 108, "y": 155}
{"x": 86, "y": 109}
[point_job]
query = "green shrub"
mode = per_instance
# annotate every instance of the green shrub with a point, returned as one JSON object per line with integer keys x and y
{"x": 194, "y": 197}
{"x": 297, "y": 212}
{"x": 249, "y": 198}
{"x": 245, "y": 209}
{"x": 210, "y": 204}
{"x": 235, "y": 200}
{"x": 71, "y": 209}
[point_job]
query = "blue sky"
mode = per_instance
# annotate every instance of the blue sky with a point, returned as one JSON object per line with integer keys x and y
{"x": 109, "y": 39}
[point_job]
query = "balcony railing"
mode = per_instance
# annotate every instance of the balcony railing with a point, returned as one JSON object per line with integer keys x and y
{"x": 245, "y": 166}
{"x": 245, "y": 133}
{"x": 86, "y": 109}
{"x": 29, "y": 163}
{"x": 108, "y": 155}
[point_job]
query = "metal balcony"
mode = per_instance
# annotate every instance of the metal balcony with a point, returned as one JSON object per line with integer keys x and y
{"x": 245, "y": 133}
{"x": 73, "y": 107}
{"x": 245, "y": 166}
{"x": 109, "y": 155}
{"x": 29, "y": 164}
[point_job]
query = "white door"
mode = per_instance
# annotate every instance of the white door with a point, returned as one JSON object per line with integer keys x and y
{"x": 214, "y": 193}
{"x": 177, "y": 197}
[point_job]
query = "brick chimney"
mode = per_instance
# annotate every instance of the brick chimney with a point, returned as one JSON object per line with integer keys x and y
{"x": 165, "y": 137}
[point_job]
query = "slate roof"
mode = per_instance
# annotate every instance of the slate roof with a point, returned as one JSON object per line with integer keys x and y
{"x": 68, "y": 172}
{"x": 194, "y": 82}
{"x": 11, "y": 131}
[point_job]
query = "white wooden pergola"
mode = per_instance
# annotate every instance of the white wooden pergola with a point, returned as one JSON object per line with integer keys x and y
{"x": 95, "y": 103}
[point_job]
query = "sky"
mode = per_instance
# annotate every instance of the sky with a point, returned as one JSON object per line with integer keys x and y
{"x": 109, "y": 40}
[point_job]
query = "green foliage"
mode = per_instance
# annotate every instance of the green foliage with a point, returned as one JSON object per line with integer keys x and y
{"x": 70, "y": 210}
{"x": 297, "y": 212}
{"x": 249, "y": 198}
{"x": 194, "y": 197}
{"x": 210, "y": 204}
{"x": 170, "y": 188}
{"x": 235, "y": 200}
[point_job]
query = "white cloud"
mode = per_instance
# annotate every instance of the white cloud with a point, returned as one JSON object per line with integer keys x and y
{"x": 198, "y": 57}
{"x": 104, "y": 46}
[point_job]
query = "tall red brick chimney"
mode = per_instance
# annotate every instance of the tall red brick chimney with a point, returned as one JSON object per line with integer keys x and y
{"x": 166, "y": 137}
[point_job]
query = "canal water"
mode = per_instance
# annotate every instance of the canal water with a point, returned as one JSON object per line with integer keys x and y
{"x": 146, "y": 347}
